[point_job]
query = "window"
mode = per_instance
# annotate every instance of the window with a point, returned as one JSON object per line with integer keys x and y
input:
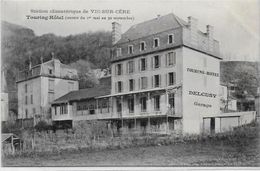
{"x": 119, "y": 69}
{"x": 143, "y": 82}
{"x": 156, "y": 60}
{"x": 143, "y": 64}
{"x": 63, "y": 109}
{"x": 171, "y": 77}
{"x": 131, "y": 105}
{"x": 51, "y": 85}
{"x": 50, "y": 97}
{"x": 26, "y": 113}
{"x": 156, "y": 42}
{"x": 91, "y": 109}
{"x": 171, "y": 100}
{"x": 78, "y": 107}
{"x": 26, "y": 100}
{"x": 55, "y": 110}
{"x": 131, "y": 84}
{"x": 130, "y": 49}
{"x": 119, "y": 106}
{"x": 50, "y": 71}
{"x": 130, "y": 67}
{"x": 142, "y": 46}
{"x": 171, "y": 39}
{"x": 25, "y": 88}
{"x": 118, "y": 52}
{"x": 157, "y": 103}
{"x": 119, "y": 86}
{"x": 31, "y": 99}
{"x": 34, "y": 111}
{"x": 171, "y": 58}
{"x": 157, "y": 81}
{"x": 143, "y": 104}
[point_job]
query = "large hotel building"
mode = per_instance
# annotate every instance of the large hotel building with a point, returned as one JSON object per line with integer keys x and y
{"x": 164, "y": 78}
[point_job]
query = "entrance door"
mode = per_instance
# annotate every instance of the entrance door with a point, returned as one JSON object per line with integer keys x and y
{"x": 212, "y": 125}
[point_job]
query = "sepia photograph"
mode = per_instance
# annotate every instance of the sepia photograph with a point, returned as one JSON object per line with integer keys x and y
{"x": 130, "y": 84}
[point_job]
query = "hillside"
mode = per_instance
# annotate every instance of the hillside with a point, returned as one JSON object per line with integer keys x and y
{"x": 18, "y": 43}
{"x": 244, "y": 74}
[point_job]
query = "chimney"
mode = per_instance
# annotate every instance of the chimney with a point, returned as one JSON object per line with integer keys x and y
{"x": 57, "y": 69}
{"x": 116, "y": 32}
{"x": 41, "y": 59}
{"x": 193, "y": 26}
{"x": 210, "y": 31}
{"x": 52, "y": 55}
{"x": 193, "y": 22}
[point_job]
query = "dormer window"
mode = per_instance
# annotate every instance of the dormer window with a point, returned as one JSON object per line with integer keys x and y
{"x": 156, "y": 42}
{"x": 142, "y": 46}
{"x": 170, "y": 39}
{"x": 118, "y": 52}
{"x": 130, "y": 49}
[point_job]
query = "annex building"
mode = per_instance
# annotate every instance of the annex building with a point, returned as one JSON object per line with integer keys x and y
{"x": 164, "y": 78}
{"x": 40, "y": 85}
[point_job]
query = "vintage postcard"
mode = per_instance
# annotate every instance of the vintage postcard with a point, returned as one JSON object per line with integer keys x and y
{"x": 130, "y": 84}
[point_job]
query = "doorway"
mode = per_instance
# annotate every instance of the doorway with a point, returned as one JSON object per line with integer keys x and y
{"x": 212, "y": 125}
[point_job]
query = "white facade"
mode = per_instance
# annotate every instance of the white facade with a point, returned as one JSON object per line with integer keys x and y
{"x": 227, "y": 103}
{"x": 36, "y": 92}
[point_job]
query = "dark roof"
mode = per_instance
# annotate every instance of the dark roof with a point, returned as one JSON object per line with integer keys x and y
{"x": 88, "y": 93}
{"x": 151, "y": 27}
{"x": 6, "y": 136}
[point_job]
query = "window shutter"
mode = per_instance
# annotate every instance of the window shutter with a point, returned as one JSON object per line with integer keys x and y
{"x": 160, "y": 81}
{"x": 146, "y": 64}
{"x": 152, "y": 82}
{"x": 159, "y": 58}
{"x": 174, "y": 58}
{"x": 133, "y": 85}
{"x": 152, "y": 62}
{"x": 166, "y": 59}
{"x": 116, "y": 87}
{"x": 139, "y": 83}
{"x": 127, "y": 68}
{"x": 174, "y": 77}
{"x": 139, "y": 64}
{"x": 133, "y": 66}
{"x": 115, "y": 69}
{"x": 146, "y": 82}
{"x": 166, "y": 79}
{"x": 122, "y": 86}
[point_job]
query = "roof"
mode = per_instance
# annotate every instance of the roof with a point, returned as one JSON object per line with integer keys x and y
{"x": 6, "y": 136}
{"x": 103, "y": 89}
{"x": 157, "y": 25}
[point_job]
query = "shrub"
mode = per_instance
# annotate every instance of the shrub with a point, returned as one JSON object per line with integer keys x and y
{"x": 42, "y": 126}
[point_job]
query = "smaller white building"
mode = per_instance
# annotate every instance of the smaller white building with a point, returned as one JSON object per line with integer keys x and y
{"x": 227, "y": 102}
{"x": 40, "y": 85}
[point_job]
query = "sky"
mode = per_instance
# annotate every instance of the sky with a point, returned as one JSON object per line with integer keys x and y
{"x": 236, "y": 22}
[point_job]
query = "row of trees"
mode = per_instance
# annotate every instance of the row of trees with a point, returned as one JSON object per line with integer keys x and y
{"x": 19, "y": 43}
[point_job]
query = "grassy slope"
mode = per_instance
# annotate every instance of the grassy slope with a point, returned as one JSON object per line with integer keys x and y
{"x": 240, "y": 148}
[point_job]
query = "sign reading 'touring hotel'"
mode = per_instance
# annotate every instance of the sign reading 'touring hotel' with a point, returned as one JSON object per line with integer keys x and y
{"x": 203, "y": 72}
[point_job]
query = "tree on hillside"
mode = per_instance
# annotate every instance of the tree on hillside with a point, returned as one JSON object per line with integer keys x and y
{"x": 87, "y": 78}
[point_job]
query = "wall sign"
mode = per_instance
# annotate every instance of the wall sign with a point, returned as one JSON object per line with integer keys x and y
{"x": 205, "y": 94}
{"x": 197, "y": 71}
